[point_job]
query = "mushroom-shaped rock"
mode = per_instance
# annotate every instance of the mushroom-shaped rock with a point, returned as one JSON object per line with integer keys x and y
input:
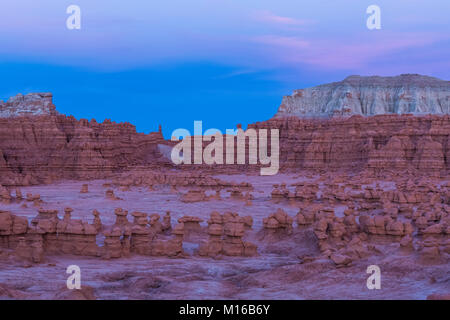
{"x": 84, "y": 188}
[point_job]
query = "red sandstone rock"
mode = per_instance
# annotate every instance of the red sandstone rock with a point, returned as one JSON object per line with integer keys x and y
{"x": 410, "y": 154}
{"x": 121, "y": 217}
{"x": 277, "y": 225}
{"x": 437, "y": 296}
{"x": 76, "y": 237}
{"x": 195, "y": 195}
{"x": 97, "y": 223}
{"x": 9, "y": 293}
{"x": 225, "y": 236}
{"x": 84, "y": 188}
{"x": 191, "y": 226}
{"x": 85, "y": 293}
{"x": 348, "y": 143}
{"x": 341, "y": 260}
{"x": 155, "y": 223}
{"x": 166, "y": 225}
{"x": 49, "y": 146}
{"x": 112, "y": 244}
{"x": 110, "y": 195}
{"x": 140, "y": 236}
{"x": 19, "y": 195}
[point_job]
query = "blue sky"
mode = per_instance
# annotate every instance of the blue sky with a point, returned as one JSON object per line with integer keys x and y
{"x": 222, "y": 62}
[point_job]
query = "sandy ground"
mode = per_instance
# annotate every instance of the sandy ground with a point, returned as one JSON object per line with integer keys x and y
{"x": 291, "y": 268}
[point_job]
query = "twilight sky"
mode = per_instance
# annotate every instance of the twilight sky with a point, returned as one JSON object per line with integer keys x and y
{"x": 220, "y": 61}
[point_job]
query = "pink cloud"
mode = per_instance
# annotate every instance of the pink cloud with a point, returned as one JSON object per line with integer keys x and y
{"x": 268, "y": 16}
{"x": 340, "y": 53}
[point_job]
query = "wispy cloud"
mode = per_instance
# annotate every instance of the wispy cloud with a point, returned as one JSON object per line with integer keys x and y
{"x": 340, "y": 53}
{"x": 269, "y": 17}
{"x": 236, "y": 73}
{"x": 284, "y": 35}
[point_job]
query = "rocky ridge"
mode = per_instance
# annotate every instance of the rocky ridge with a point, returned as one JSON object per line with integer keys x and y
{"x": 382, "y": 144}
{"x": 29, "y": 104}
{"x": 406, "y": 93}
{"x": 39, "y": 145}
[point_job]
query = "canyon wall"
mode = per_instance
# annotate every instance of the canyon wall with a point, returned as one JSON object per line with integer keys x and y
{"x": 39, "y": 145}
{"x": 44, "y": 146}
{"x": 383, "y": 124}
{"x": 384, "y": 143}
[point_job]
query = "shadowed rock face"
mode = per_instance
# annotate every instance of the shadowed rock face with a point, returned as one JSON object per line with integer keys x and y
{"x": 407, "y": 93}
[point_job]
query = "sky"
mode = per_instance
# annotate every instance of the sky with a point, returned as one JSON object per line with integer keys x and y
{"x": 223, "y": 62}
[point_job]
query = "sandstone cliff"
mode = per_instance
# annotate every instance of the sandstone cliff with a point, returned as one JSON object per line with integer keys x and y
{"x": 407, "y": 93}
{"x": 37, "y": 144}
{"x": 381, "y": 144}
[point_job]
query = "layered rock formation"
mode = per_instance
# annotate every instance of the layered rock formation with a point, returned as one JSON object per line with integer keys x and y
{"x": 49, "y": 235}
{"x": 383, "y": 143}
{"x": 225, "y": 236}
{"x": 39, "y": 145}
{"x": 325, "y": 127}
{"x": 333, "y": 212}
{"x": 407, "y": 93}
